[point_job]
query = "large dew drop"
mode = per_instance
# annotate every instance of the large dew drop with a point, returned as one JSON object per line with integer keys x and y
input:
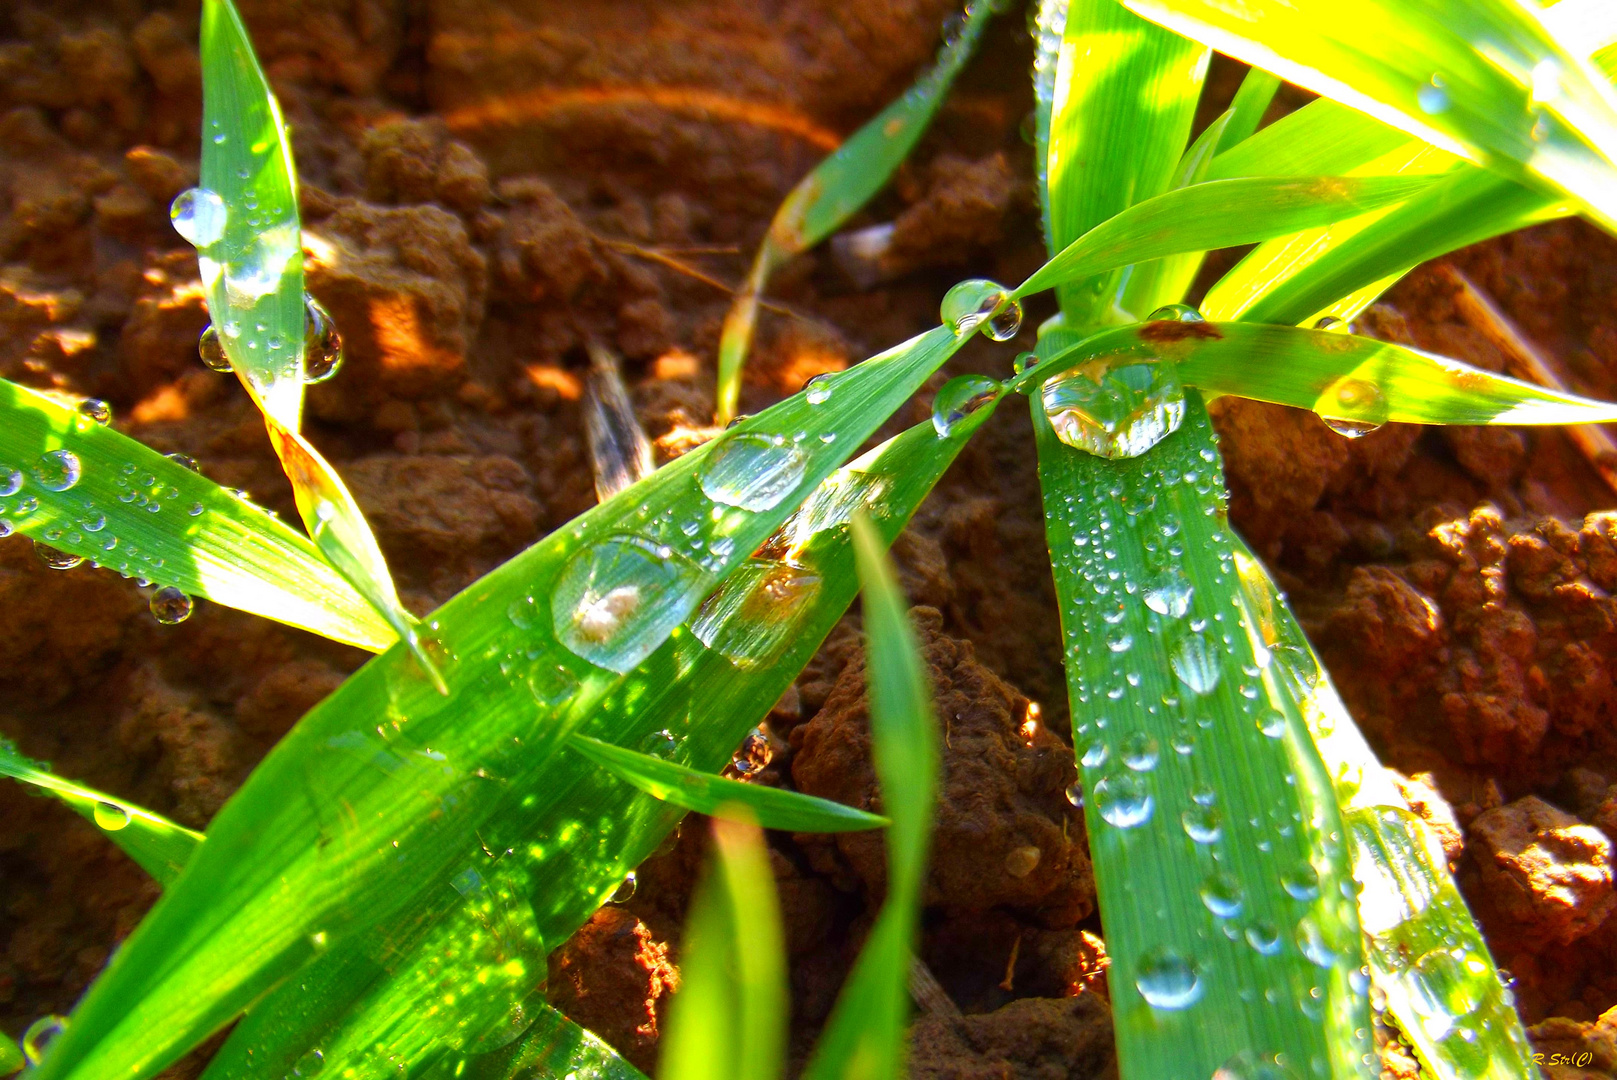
{"x": 1116, "y": 412}
{"x": 959, "y": 398}
{"x": 980, "y": 304}
{"x": 170, "y": 606}
{"x": 1221, "y": 894}
{"x": 1123, "y": 800}
{"x": 1167, "y": 980}
{"x": 57, "y": 470}
{"x": 1352, "y": 407}
{"x": 751, "y": 618}
{"x": 752, "y": 471}
{"x": 37, "y": 1039}
{"x": 615, "y": 602}
{"x": 1196, "y": 664}
{"x": 322, "y": 345}
{"x": 199, "y": 215}
{"x": 212, "y": 350}
{"x": 111, "y": 816}
{"x": 55, "y": 559}
{"x": 1170, "y": 596}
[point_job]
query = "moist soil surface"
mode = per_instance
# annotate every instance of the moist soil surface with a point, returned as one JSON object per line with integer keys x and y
{"x": 489, "y": 185}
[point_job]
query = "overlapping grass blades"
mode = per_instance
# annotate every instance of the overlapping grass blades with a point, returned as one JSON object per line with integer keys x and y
{"x": 836, "y": 188}
{"x": 244, "y": 223}
{"x": 865, "y": 1035}
{"x": 87, "y": 490}
{"x": 729, "y": 1019}
{"x": 1484, "y": 79}
{"x": 388, "y": 822}
{"x": 161, "y": 847}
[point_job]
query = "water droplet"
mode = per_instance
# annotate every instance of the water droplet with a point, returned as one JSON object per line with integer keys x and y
{"x": 10, "y": 480}
{"x": 111, "y": 816}
{"x": 625, "y": 890}
{"x": 1166, "y": 979}
{"x": 1075, "y": 793}
{"x": 1139, "y": 752}
{"x": 322, "y": 345}
{"x": 1170, "y": 596}
{"x": 199, "y": 215}
{"x": 1175, "y": 313}
{"x": 1312, "y": 943}
{"x": 170, "y": 606}
{"x": 212, "y": 350}
{"x": 1264, "y": 937}
{"x": 1024, "y": 361}
{"x": 184, "y": 461}
{"x": 1349, "y": 429}
{"x": 616, "y": 602}
{"x": 1448, "y": 982}
{"x": 1094, "y": 755}
{"x": 96, "y": 411}
{"x": 37, "y": 1039}
{"x": 1022, "y": 861}
{"x": 753, "y": 755}
{"x": 1432, "y": 98}
{"x": 1329, "y": 322}
{"x": 752, "y": 471}
{"x": 309, "y": 1064}
{"x": 751, "y": 618}
{"x": 1123, "y": 800}
{"x": 959, "y": 398}
{"x": 1222, "y": 895}
{"x": 1201, "y": 824}
{"x": 467, "y": 882}
{"x": 1272, "y": 722}
{"x": 1196, "y": 664}
{"x": 1248, "y": 1066}
{"x": 662, "y": 744}
{"x": 1352, "y": 407}
{"x": 57, "y": 470}
{"x": 818, "y": 389}
{"x": 1119, "y": 643}
{"x": 56, "y": 560}
{"x": 1301, "y": 882}
{"x": 1118, "y": 411}
{"x": 981, "y": 304}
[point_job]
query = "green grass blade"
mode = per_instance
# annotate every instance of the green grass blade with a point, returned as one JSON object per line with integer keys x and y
{"x": 243, "y": 221}
{"x": 11, "y": 1058}
{"x": 865, "y": 1036}
{"x": 1323, "y": 138}
{"x": 1339, "y": 376}
{"x": 130, "y": 509}
{"x": 553, "y": 1046}
{"x": 837, "y": 188}
{"x": 160, "y": 846}
{"x": 397, "y": 789}
{"x": 1426, "y": 953}
{"x": 1123, "y": 101}
{"x": 346, "y": 989}
{"x": 1484, "y": 79}
{"x": 1252, "y": 100}
{"x": 729, "y": 1018}
{"x": 1221, "y": 213}
{"x": 1463, "y": 208}
{"x": 1239, "y": 948}
{"x": 1049, "y": 23}
{"x": 689, "y": 789}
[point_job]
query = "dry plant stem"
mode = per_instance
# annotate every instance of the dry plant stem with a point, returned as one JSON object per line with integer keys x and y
{"x": 1528, "y": 361}
{"x": 620, "y": 454}
{"x": 664, "y": 258}
{"x": 928, "y": 993}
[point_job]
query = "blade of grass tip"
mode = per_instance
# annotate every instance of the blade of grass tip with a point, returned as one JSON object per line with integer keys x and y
{"x": 1357, "y": 382}
{"x": 865, "y": 1035}
{"x": 729, "y": 1017}
{"x": 332, "y": 1005}
{"x": 89, "y": 491}
{"x": 690, "y": 789}
{"x": 1426, "y": 953}
{"x": 1252, "y": 100}
{"x": 1123, "y": 102}
{"x": 1187, "y": 767}
{"x": 1220, "y": 213}
{"x": 1484, "y": 79}
{"x": 1164, "y": 281}
{"x": 837, "y": 188}
{"x": 243, "y": 221}
{"x": 374, "y": 802}
{"x": 160, "y": 846}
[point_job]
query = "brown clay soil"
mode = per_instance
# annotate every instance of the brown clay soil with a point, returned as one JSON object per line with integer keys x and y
{"x": 490, "y": 184}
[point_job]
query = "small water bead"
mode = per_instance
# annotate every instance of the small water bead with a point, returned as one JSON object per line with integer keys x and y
{"x": 1264, "y": 937}
{"x": 37, "y": 1039}
{"x": 1349, "y": 429}
{"x": 322, "y": 345}
{"x": 1120, "y": 643}
{"x": 981, "y": 304}
{"x": 184, "y": 461}
{"x": 1301, "y": 882}
{"x": 1332, "y": 323}
{"x": 1175, "y": 313}
{"x": 96, "y": 411}
{"x": 1166, "y": 979}
{"x": 10, "y": 480}
{"x": 817, "y": 391}
{"x": 1024, "y": 362}
{"x": 625, "y": 890}
{"x": 57, "y": 470}
{"x": 170, "y": 606}
{"x": 1075, "y": 793}
{"x": 1272, "y": 722}
{"x": 1450, "y": 982}
{"x": 1196, "y": 664}
{"x": 1311, "y": 941}
{"x": 1201, "y": 824}
{"x": 309, "y": 1064}
{"x": 111, "y": 816}
{"x": 1432, "y": 98}
{"x": 1248, "y": 1066}
{"x": 1095, "y": 754}
{"x": 1139, "y": 752}
{"x": 662, "y": 744}
{"x": 1170, "y": 597}
{"x": 959, "y": 398}
{"x": 1118, "y": 411}
{"x": 56, "y": 560}
{"x": 752, "y": 471}
{"x": 1123, "y": 800}
{"x": 199, "y": 215}
{"x": 211, "y": 348}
